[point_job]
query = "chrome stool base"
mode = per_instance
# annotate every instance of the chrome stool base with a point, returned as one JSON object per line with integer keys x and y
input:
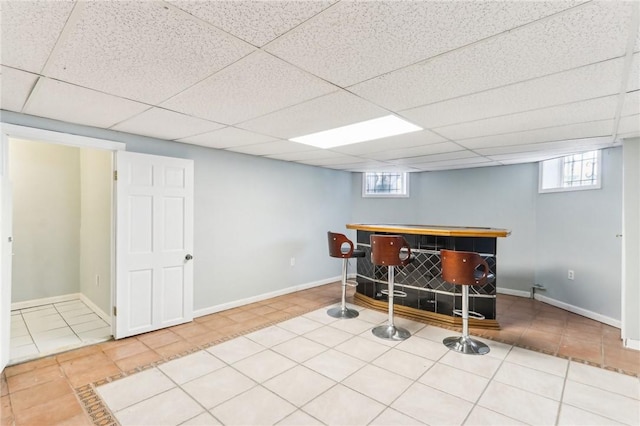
{"x": 390, "y": 332}
{"x": 339, "y": 312}
{"x": 466, "y": 345}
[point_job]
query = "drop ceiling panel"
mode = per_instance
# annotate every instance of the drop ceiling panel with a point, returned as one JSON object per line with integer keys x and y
{"x": 361, "y": 166}
{"x": 271, "y": 148}
{"x": 558, "y": 147}
{"x": 572, "y": 131}
{"x": 254, "y": 86}
{"x": 407, "y": 140}
{"x": 334, "y": 161}
{"x": 255, "y": 22}
{"x": 588, "y": 82}
{"x": 453, "y": 164}
{"x": 15, "y": 86}
{"x": 227, "y": 138}
{"x": 29, "y": 31}
{"x": 354, "y": 41}
{"x": 146, "y": 51}
{"x": 66, "y": 102}
{"x": 631, "y": 104}
{"x": 447, "y": 156}
{"x": 629, "y": 124}
{"x": 310, "y": 154}
{"x": 325, "y": 112}
{"x": 417, "y": 151}
{"x": 584, "y": 35}
{"x": 591, "y": 110}
{"x": 163, "y": 124}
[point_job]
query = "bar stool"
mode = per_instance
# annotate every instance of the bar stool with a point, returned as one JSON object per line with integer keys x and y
{"x": 340, "y": 246}
{"x": 391, "y": 251}
{"x": 465, "y": 269}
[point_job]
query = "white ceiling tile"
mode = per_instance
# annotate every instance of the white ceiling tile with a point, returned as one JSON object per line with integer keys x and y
{"x": 588, "y": 82}
{"x": 360, "y": 166}
{"x": 15, "y": 86}
{"x": 66, "y": 102}
{"x": 29, "y": 31}
{"x": 628, "y": 135}
{"x": 558, "y": 147}
{"x": 523, "y": 157}
{"x": 416, "y": 151}
{"x": 354, "y": 41}
{"x": 256, "y": 85}
{"x": 584, "y": 35}
{"x": 271, "y": 148}
{"x": 325, "y": 112}
{"x": 591, "y": 110}
{"x": 629, "y": 124}
{"x": 333, "y": 161}
{"x": 226, "y": 138}
{"x": 141, "y": 50}
{"x": 256, "y": 22}
{"x": 571, "y": 131}
{"x": 445, "y": 156}
{"x": 163, "y": 124}
{"x": 407, "y": 140}
{"x": 309, "y": 154}
{"x": 454, "y": 164}
{"x": 634, "y": 73}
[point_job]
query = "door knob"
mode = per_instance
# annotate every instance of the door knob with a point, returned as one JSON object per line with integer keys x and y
{"x": 188, "y": 257}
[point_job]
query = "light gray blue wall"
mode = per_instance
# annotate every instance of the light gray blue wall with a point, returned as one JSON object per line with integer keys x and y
{"x": 498, "y": 197}
{"x": 631, "y": 187}
{"x": 251, "y": 216}
{"x": 577, "y": 230}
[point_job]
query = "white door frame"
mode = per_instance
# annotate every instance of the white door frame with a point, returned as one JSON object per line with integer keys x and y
{"x": 31, "y": 133}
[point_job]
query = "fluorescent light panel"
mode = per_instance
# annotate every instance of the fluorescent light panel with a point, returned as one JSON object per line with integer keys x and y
{"x": 369, "y": 130}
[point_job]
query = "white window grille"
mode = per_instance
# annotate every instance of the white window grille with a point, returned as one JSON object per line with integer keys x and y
{"x": 385, "y": 184}
{"x": 571, "y": 173}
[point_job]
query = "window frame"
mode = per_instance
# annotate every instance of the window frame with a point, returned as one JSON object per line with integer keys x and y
{"x": 559, "y": 182}
{"x": 405, "y": 185}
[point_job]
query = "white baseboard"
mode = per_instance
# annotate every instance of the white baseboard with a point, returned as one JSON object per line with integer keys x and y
{"x": 44, "y": 301}
{"x": 580, "y": 311}
{"x": 103, "y": 315}
{"x": 260, "y": 297}
{"x": 510, "y": 292}
{"x": 632, "y": 344}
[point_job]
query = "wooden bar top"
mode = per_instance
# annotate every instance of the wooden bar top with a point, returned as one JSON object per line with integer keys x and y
{"x": 446, "y": 231}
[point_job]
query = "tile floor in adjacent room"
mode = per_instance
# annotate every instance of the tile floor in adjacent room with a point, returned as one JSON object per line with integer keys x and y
{"x": 52, "y": 328}
{"x": 284, "y": 353}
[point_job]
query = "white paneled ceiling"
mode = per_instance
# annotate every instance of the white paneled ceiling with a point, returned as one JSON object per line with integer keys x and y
{"x": 491, "y": 82}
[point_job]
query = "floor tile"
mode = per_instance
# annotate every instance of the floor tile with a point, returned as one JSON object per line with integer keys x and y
{"x": 271, "y": 336}
{"x": 217, "y": 387}
{"x": 353, "y": 325}
{"x": 321, "y": 316}
{"x": 299, "y": 349}
{"x": 482, "y": 365}
{"x": 572, "y": 416}
{"x": 34, "y": 377}
{"x": 608, "y": 380}
{"x": 204, "y": 419}
{"x": 263, "y": 365}
{"x": 423, "y": 402}
{"x": 191, "y": 367}
{"x": 59, "y": 410}
{"x": 435, "y": 334}
{"x": 361, "y": 348}
{"x": 328, "y": 336}
{"x": 90, "y": 325}
{"x": 391, "y": 417}
{"x": 462, "y": 384}
{"x": 257, "y": 406}
{"x": 381, "y": 385}
{"x": 373, "y": 317}
{"x": 299, "y": 325}
{"x": 333, "y": 364}
{"x": 235, "y": 349}
{"x": 541, "y": 383}
{"x": 411, "y": 325}
{"x": 299, "y": 385}
{"x": 403, "y": 363}
{"x": 133, "y": 389}
{"x": 482, "y": 416}
{"x": 518, "y": 404}
{"x": 602, "y": 403}
{"x": 169, "y": 408}
{"x": 343, "y": 406}
{"x": 299, "y": 418}
{"x": 538, "y": 361}
{"x": 423, "y": 347}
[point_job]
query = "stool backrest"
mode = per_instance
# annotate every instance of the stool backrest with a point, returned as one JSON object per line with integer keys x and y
{"x": 390, "y": 250}
{"x": 337, "y": 243}
{"x": 463, "y": 267}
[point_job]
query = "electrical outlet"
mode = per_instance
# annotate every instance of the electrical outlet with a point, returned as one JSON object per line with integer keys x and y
{"x": 293, "y": 261}
{"x": 570, "y": 274}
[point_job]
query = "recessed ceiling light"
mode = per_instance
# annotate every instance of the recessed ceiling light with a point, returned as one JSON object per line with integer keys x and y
{"x": 369, "y": 130}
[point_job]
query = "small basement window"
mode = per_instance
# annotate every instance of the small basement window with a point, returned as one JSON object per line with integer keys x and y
{"x": 570, "y": 173}
{"x": 385, "y": 184}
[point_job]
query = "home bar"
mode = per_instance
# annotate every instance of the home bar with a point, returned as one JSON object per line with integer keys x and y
{"x": 428, "y": 296}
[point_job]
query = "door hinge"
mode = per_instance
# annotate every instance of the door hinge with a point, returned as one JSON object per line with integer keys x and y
{"x": 115, "y": 311}
{"x": 115, "y": 175}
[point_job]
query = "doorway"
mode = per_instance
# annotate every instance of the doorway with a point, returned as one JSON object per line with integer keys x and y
{"x": 62, "y": 247}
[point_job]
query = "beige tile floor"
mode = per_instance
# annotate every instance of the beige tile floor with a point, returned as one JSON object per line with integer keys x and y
{"x": 314, "y": 369}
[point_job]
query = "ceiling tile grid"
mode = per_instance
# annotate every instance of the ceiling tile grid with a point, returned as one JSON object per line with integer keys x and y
{"x": 494, "y": 82}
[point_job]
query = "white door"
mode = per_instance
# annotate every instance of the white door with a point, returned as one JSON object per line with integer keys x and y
{"x": 5, "y": 268}
{"x": 154, "y": 243}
